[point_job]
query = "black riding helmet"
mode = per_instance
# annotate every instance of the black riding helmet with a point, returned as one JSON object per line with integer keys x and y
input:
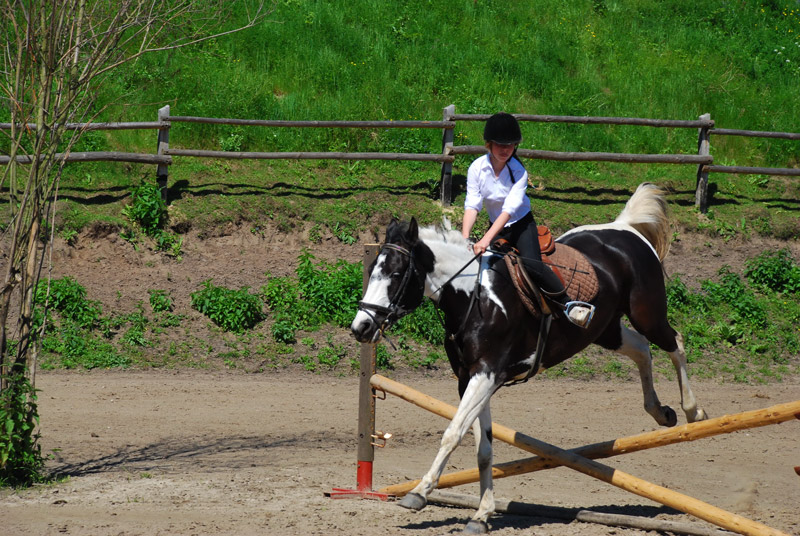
{"x": 502, "y": 128}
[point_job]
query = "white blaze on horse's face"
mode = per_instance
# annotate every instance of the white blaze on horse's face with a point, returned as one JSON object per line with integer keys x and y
{"x": 377, "y": 293}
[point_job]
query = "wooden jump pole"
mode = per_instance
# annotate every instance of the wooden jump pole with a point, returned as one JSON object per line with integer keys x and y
{"x": 620, "y": 479}
{"x": 658, "y": 438}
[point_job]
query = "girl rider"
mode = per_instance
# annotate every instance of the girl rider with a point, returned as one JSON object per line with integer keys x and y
{"x": 498, "y": 181}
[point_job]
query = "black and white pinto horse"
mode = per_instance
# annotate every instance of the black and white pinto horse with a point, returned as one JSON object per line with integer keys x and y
{"x": 492, "y": 338}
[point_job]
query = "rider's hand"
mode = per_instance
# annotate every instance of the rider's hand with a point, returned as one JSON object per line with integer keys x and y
{"x": 480, "y": 246}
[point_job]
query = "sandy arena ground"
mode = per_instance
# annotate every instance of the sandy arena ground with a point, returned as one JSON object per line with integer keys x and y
{"x": 228, "y": 453}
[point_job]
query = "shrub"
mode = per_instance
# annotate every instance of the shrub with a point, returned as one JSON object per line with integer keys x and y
{"x": 147, "y": 209}
{"x": 774, "y": 270}
{"x": 323, "y": 292}
{"x": 70, "y": 333}
{"x": 21, "y": 459}
{"x": 68, "y": 297}
{"x": 232, "y": 310}
{"x": 160, "y": 301}
{"x": 333, "y": 290}
{"x": 423, "y": 324}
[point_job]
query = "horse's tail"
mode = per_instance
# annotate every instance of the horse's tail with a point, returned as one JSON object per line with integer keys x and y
{"x": 646, "y": 211}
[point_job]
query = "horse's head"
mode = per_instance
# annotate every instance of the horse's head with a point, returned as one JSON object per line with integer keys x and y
{"x": 396, "y": 281}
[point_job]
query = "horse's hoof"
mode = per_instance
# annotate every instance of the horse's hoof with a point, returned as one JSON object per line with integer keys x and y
{"x": 476, "y": 527}
{"x": 413, "y": 501}
{"x": 671, "y": 418}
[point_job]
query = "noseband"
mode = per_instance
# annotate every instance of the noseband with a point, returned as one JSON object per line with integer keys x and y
{"x": 393, "y": 311}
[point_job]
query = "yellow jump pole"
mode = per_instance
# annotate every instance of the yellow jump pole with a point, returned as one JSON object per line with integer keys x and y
{"x": 643, "y": 488}
{"x": 658, "y": 438}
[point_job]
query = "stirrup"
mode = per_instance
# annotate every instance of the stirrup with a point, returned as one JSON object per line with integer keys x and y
{"x": 579, "y": 313}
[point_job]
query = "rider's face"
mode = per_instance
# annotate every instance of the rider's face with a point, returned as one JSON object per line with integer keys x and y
{"x": 502, "y": 152}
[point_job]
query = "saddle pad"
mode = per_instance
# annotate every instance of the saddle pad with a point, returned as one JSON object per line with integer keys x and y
{"x": 576, "y": 272}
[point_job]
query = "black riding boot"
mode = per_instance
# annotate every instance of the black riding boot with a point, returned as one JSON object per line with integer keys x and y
{"x": 579, "y": 313}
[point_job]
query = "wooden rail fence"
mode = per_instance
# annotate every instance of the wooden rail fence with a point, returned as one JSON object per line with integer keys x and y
{"x": 163, "y": 156}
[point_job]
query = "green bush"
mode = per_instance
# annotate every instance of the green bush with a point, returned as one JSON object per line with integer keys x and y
{"x": 147, "y": 209}
{"x": 21, "y": 461}
{"x": 333, "y": 289}
{"x": 774, "y": 270}
{"x": 423, "y": 324}
{"x": 68, "y": 297}
{"x": 232, "y": 310}
{"x": 753, "y": 325}
{"x": 322, "y": 292}
{"x": 160, "y": 301}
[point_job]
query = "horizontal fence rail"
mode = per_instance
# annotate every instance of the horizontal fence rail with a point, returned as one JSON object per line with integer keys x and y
{"x": 310, "y": 156}
{"x": 744, "y": 170}
{"x": 142, "y": 125}
{"x": 755, "y": 133}
{"x": 632, "y": 158}
{"x": 314, "y": 124}
{"x": 589, "y": 120}
{"x": 164, "y": 154}
{"x": 96, "y": 156}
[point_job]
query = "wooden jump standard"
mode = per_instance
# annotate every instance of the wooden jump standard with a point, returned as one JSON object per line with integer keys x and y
{"x": 576, "y": 459}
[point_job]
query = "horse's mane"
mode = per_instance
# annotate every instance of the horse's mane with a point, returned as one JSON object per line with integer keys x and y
{"x": 446, "y": 237}
{"x": 448, "y": 244}
{"x": 646, "y": 211}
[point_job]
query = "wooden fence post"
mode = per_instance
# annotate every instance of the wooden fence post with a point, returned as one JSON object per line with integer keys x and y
{"x": 448, "y": 135}
{"x": 366, "y": 397}
{"x": 703, "y": 149}
{"x": 162, "y": 172}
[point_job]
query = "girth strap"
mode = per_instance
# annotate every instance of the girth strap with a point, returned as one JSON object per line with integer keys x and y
{"x": 544, "y": 333}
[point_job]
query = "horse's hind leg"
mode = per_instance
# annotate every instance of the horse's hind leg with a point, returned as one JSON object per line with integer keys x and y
{"x": 688, "y": 401}
{"x": 671, "y": 342}
{"x": 473, "y": 403}
{"x": 637, "y": 347}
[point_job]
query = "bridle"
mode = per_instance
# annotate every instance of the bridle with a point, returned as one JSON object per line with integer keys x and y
{"x": 394, "y": 311}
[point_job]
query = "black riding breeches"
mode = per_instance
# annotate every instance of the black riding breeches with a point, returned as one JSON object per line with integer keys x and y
{"x": 524, "y": 235}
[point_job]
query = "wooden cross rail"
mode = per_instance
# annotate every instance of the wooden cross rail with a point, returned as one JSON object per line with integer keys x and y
{"x": 555, "y": 456}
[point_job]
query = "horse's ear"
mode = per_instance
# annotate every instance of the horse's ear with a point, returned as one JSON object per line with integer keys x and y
{"x": 413, "y": 231}
{"x": 390, "y": 228}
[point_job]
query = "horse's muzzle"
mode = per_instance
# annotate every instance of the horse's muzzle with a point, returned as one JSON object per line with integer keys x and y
{"x": 365, "y": 329}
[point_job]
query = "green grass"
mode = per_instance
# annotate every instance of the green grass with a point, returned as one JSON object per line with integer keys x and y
{"x": 358, "y": 60}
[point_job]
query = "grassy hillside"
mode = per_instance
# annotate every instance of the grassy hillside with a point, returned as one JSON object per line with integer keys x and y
{"x": 738, "y": 61}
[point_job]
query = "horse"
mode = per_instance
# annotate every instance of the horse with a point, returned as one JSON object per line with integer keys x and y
{"x": 493, "y": 338}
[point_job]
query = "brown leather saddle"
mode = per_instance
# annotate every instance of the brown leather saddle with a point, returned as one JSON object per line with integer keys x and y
{"x": 570, "y": 265}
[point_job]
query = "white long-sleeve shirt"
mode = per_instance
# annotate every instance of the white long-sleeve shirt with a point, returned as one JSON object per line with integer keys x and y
{"x": 497, "y": 194}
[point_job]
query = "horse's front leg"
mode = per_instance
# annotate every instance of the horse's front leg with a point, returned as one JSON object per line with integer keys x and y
{"x": 482, "y": 428}
{"x": 473, "y": 402}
